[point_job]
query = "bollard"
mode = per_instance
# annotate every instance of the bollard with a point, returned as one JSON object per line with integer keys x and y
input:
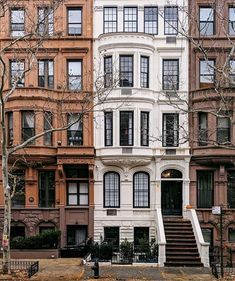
{"x": 96, "y": 270}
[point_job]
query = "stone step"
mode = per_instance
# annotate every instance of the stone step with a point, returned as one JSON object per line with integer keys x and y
{"x": 184, "y": 263}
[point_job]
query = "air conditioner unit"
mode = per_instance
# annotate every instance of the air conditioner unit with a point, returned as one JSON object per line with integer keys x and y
{"x": 170, "y": 39}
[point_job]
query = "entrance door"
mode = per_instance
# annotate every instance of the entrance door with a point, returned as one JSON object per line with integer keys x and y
{"x": 171, "y": 199}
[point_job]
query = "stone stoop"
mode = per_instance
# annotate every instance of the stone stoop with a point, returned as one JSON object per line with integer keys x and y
{"x": 181, "y": 246}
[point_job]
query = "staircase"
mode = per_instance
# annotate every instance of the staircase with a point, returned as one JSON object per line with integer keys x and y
{"x": 181, "y": 246}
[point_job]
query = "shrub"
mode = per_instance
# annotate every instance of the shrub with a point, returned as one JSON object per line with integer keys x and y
{"x": 46, "y": 240}
{"x": 103, "y": 251}
{"x": 126, "y": 250}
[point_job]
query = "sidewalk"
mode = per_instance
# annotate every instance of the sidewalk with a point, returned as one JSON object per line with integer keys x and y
{"x": 59, "y": 270}
{"x": 131, "y": 273}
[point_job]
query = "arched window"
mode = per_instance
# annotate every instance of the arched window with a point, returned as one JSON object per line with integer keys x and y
{"x": 141, "y": 196}
{"x": 171, "y": 173}
{"x": 111, "y": 190}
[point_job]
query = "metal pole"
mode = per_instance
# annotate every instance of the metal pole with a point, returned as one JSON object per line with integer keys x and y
{"x": 221, "y": 243}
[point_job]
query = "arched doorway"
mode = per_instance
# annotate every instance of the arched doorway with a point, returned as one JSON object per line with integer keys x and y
{"x": 171, "y": 192}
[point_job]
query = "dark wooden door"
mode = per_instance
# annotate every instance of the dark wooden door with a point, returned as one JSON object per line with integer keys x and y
{"x": 171, "y": 198}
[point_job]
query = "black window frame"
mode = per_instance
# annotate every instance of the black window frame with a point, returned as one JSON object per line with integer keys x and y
{"x": 46, "y": 201}
{"x": 221, "y": 130}
{"x": 232, "y": 70}
{"x": 144, "y": 132}
{"x": 128, "y": 21}
{"x": 170, "y": 23}
{"x": 206, "y": 204}
{"x": 165, "y": 77}
{"x": 144, "y": 71}
{"x": 78, "y": 142}
{"x": 202, "y": 132}
{"x": 108, "y": 131}
{"x": 45, "y": 25}
{"x": 47, "y": 79}
{"x": 231, "y": 188}
{"x": 165, "y": 132}
{"x": 10, "y": 128}
{"x": 31, "y": 129}
{"x": 21, "y": 82}
{"x": 207, "y": 22}
{"x": 141, "y": 192}
{"x": 115, "y": 237}
{"x": 77, "y": 193}
{"x": 79, "y": 61}
{"x": 129, "y": 72}
{"x": 140, "y": 233}
{"x": 47, "y": 125}
{"x": 231, "y": 24}
{"x": 20, "y": 25}
{"x": 207, "y": 74}
{"x": 108, "y": 71}
{"x": 112, "y": 21}
{"x": 145, "y": 20}
{"x": 125, "y": 141}
{"x": 115, "y": 191}
{"x": 77, "y": 23}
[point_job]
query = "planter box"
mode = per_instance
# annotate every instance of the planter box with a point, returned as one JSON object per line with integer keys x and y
{"x": 35, "y": 254}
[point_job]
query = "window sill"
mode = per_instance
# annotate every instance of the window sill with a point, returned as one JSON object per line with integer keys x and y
{"x": 77, "y": 207}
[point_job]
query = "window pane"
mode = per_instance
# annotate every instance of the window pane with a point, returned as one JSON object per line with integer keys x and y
{"x": 207, "y": 71}
{"x": 141, "y": 190}
{"x": 231, "y": 20}
{"x": 72, "y": 199}
{"x": 231, "y": 189}
{"x": 126, "y": 128}
{"x": 75, "y": 131}
{"x": 108, "y": 72}
{"x": 111, "y": 190}
{"x": 110, "y": 19}
{"x": 47, "y": 189}
{"x": 231, "y": 235}
{"x": 111, "y": 236}
{"x": 17, "y": 73}
{"x": 171, "y": 75}
{"x": 170, "y": 129}
{"x": 203, "y": 130}
{"x": 83, "y": 187}
{"x": 144, "y": 128}
{"x": 72, "y": 187}
{"x": 130, "y": 19}
{"x": 144, "y": 72}
{"x": 75, "y": 75}
{"x": 171, "y": 20}
{"x": 205, "y": 180}
{"x": 151, "y": 20}
{"x": 108, "y": 128}
{"x": 206, "y": 21}
{"x": 223, "y": 129}
{"x": 17, "y": 182}
{"x": 83, "y": 199}
{"x": 74, "y": 21}
{"x": 126, "y": 71}
{"x": 17, "y": 22}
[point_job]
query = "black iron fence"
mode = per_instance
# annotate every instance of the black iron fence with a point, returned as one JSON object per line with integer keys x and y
{"x": 31, "y": 267}
{"x": 136, "y": 258}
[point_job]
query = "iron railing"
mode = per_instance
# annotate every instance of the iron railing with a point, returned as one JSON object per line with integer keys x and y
{"x": 31, "y": 267}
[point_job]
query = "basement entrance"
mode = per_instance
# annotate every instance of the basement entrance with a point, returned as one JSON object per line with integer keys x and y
{"x": 171, "y": 193}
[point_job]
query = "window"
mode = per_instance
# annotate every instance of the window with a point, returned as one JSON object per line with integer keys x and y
{"x": 231, "y": 234}
{"x": 75, "y": 131}
{"x": 140, "y": 234}
{"x": 17, "y": 183}
{"x": 28, "y": 125}
{"x": 77, "y": 193}
{"x": 141, "y": 190}
{"x": 126, "y": 128}
{"x": 231, "y": 22}
{"x": 144, "y": 127}
{"x": 207, "y": 25}
{"x": 74, "y": 21}
{"x": 108, "y": 72}
{"x": 111, "y": 236}
{"x": 205, "y": 192}
{"x": 46, "y": 189}
{"x": 207, "y": 72}
{"x": 144, "y": 72}
{"x": 170, "y": 75}
{"x": 17, "y": 73}
{"x": 75, "y": 75}
{"x": 126, "y": 71}
{"x": 17, "y": 231}
{"x": 208, "y": 235}
{"x": 203, "y": 129}
{"x": 108, "y": 128}
{"x": 231, "y": 189}
{"x": 232, "y": 72}
{"x": 110, "y": 19}
{"x": 170, "y": 129}
{"x": 76, "y": 171}
{"x": 46, "y": 73}
{"x": 223, "y": 129}
{"x": 150, "y": 20}
{"x": 10, "y": 134}
{"x": 45, "y": 21}
{"x": 111, "y": 190}
{"x": 17, "y": 22}
{"x": 76, "y": 235}
{"x": 130, "y": 19}
{"x": 171, "y": 20}
{"x": 47, "y": 126}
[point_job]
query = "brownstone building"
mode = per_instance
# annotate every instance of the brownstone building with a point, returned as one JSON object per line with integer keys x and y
{"x": 54, "y": 183}
{"x": 212, "y": 101}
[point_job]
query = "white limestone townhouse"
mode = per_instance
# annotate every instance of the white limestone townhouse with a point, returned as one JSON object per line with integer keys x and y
{"x": 141, "y": 127}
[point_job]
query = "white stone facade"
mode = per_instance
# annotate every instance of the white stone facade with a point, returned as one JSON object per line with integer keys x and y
{"x": 154, "y": 158}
